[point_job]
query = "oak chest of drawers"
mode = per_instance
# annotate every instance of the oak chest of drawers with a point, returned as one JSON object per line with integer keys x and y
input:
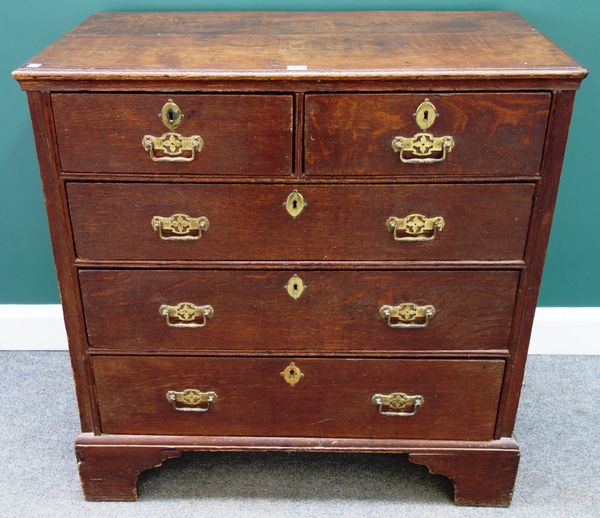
{"x": 304, "y": 232}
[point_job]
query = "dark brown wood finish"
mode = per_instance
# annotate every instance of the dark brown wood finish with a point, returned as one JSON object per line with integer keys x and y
{"x": 306, "y": 265}
{"x": 308, "y": 101}
{"x": 62, "y": 247}
{"x": 539, "y": 233}
{"x": 352, "y": 84}
{"x": 338, "y": 311}
{"x": 292, "y": 180}
{"x": 332, "y": 399}
{"x": 111, "y": 473}
{"x": 299, "y": 134}
{"x": 247, "y": 135}
{"x": 340, "y": 222}
{"x": 260, "y": 444}
{"x": 500, "y": 134}
{"x": 471, "y": 472}
{"x": 473, "y": 465}
{"x": 193, "y": 46}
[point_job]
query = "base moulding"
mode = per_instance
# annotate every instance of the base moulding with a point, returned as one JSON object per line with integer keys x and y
{"x": 483, "y": 473}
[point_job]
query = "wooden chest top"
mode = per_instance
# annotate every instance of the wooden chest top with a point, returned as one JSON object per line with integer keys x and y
{"x": 315, "y": 45}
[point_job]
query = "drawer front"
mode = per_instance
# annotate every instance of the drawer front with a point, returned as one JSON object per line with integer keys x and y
{"x": 334, "y": 398}
{"x": 492, "y": 134}
{"x": 241, "y": 134}
{"x": 252, "y": 310}
{"x": 339, "y": 222}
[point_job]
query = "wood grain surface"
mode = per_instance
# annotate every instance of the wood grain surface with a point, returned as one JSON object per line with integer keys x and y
{"x": 308, "y": 101}
{"x": 333, "y": 399}
{"x": 479, "y": 477}
{"x": 111, "y": 474}
{"x": 495, "y": 134}
{"x": 537, "y": 242}
{"x": 482, "y": 471}
{"x": 62, "y": 246}
{"x": 112, "y": 221}
{"x": 338, "y": 311}
{"x": 198, "y": 45}
{"x": 242, "y": 134}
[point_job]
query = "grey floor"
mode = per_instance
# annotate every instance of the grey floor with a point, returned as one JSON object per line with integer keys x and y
{"x": 558, "y": 428}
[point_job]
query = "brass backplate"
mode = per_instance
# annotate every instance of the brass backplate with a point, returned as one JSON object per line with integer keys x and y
{"x": 292, "y": 374}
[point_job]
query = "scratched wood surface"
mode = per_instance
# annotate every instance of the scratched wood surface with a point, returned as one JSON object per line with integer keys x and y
{"x": 365, "y": 44}
{"x": 260, "y": 87}
{"x": 340, "y": 222}
{"x": 495, "y": 134}
{"x": 333, "y": 398}
{"x": 338, "y": 311}
{"x": 242, "y": 134}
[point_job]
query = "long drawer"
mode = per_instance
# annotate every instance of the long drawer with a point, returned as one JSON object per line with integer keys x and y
{"x": 440, "y": 399}
{"x": 158, "y": 222}
{"x": 423, "y": 135}
{"x": 234, "y": 134}
{"x": 310, "y": 311}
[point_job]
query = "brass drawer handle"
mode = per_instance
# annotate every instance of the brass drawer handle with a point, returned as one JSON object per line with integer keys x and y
{"x": 181, "y": 227}
{"x": 422, "y": 145}
{"x": 399, "y": 404}
{"x": 416, "y": 227}
{"x": 419, "y": 148}
{"x": 173, "y": 147}
{"x": 193, "y": 399}
{"x": 186, "y": 314}
{"x": 407, "y": 315}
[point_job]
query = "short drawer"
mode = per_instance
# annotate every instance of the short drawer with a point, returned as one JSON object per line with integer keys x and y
{"x": 187, "y": 222}
{"x": 238, "y": 134}
{"x": 298, "y": 310}
{"x": 447, "y": 399}
{"x": 471, "y": 134}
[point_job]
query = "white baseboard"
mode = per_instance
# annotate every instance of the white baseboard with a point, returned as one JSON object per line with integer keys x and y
{"x": 555, "y": 330}
{"x": 566, "y": 331}
{"x": 30, "y": 327}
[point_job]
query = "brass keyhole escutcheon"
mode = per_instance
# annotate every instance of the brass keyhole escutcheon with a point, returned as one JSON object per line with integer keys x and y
{"x": 426, "y": 114}
{"x": 171, "y": 115}
{"x": 423, "y": 147}
{"x": 292, "y": 374}
{"x": 294, "y": 204}
{"x": 295, "y": 287}
{"x": 171, "y": 146}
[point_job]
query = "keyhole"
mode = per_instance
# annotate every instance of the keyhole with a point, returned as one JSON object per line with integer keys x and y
{"x": 295, "y": 204}
{"x": 292, "y": 373}
{"x": 295, "y": 287}
{"x": 170, "y": 115}
{"x": 426, "y": 115}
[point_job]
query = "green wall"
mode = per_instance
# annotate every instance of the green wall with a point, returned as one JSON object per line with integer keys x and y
{"x": 572, "y": 274}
